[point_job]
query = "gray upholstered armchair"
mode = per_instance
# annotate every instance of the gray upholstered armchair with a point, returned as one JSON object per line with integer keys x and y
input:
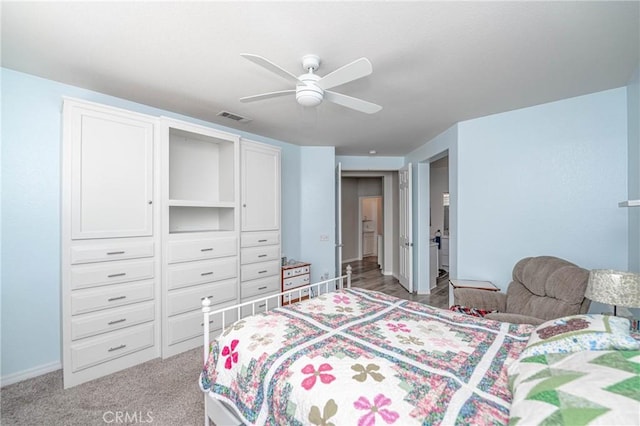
{"x": 543, "y": 288}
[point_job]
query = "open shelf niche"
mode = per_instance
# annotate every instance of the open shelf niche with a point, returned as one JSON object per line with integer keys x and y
{"x": 201, "y": 182}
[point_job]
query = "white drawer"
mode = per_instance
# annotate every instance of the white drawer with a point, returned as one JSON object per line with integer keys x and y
{"x": 108, "y": 252}
{"x": 189, "y": 299}
{"x": 193, "y": 273}
{"x": 99, "y": 349}
{"x": 253, "y": 239}
{"x": 257, "y": 288}
{"x": 259, "y": 270}
{"x": 295, "y": 282}
{"x": 83, "y": 301}
{"x": 295, "y": 271}
{"x": 111, "y": 273}
{"x": 111, "y": 319}
{"x": 187, "y": 326}
{"x": 259, "y": 254}
{"x": 184, "y": 251}
{"x": 295, "y": 295}
{"x": 260, "y": 306}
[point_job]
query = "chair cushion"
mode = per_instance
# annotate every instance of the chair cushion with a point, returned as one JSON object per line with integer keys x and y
{"x": 546, "y": 287}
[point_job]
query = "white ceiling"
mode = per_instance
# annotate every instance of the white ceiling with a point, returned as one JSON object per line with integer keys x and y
{"x": 434, "y": 63}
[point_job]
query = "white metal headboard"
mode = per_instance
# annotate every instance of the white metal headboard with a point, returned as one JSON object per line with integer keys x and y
{"x": 315, "y": 290}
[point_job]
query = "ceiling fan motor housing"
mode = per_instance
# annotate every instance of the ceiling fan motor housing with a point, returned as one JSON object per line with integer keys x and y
{"x": 308, "y": 93}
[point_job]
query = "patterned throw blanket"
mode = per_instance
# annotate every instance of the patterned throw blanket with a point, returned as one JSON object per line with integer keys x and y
{"x": 366, "y": 358}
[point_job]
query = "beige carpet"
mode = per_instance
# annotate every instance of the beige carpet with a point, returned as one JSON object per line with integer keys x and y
{"x": 156, "y": 393}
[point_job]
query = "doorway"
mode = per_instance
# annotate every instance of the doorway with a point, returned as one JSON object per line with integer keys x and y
{"x": 371, "y": 230}
{"x": 382, "y": 184}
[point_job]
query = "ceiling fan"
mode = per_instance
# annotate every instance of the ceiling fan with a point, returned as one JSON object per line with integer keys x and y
{"x": 311, "y": 89}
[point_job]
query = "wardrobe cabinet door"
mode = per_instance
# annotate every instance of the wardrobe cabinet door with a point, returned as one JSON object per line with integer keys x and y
{"x": 111, "y": 174}
{"x": 260, "y": 187}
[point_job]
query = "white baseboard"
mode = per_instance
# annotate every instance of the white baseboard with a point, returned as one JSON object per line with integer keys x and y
{"x": 10, "y": 379}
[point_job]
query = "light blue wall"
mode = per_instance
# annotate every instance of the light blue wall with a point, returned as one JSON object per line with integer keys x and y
{"x": 633, "y": 114}
{"x": 317, "y": 210}
{"x": 544, "y": 180}
{"x": 31, "y": 143}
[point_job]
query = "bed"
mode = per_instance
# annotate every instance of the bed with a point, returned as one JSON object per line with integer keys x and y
{"x": 357, "y": 354}
{"x": 354, "y": 356}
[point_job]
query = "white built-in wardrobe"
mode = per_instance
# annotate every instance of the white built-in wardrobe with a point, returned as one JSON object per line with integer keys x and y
{"x": 156, "y": 215}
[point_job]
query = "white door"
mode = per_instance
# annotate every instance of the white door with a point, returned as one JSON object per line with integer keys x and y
{"x": 339, "y": 220}
{"x": 260, "y": 187}
{"x": 406, "y": 246}
{"x": 111, "y": 174}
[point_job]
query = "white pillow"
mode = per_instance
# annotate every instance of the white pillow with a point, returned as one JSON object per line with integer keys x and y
{"x": 580, "y": 333}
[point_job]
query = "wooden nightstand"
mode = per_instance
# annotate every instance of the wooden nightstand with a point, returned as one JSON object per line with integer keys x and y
{"x": 296, "y": 276}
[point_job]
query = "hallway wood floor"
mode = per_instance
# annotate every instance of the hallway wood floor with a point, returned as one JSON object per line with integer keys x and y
{"x": 366, "y": 274}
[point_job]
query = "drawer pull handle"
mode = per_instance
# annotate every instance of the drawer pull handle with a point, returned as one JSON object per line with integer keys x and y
{"x": 262, "y": 255}
{"x": 202, "y": 324}
{"x": 206, "y": 273}
{"x": 262, "y": 241}
{"x": 117, "y": 347}
{"x": 121, "y": 274}
{"x": 262, "y": 288}
{"x": 202, "y": 298}
{"x": 114, "y": 252}
{"x": 112, "y": 299}
{"x": 263, "y": 272}
{"x": 207, "y": 249}
{"x": 117, "y": 321}
{"x": 262, "y": 306}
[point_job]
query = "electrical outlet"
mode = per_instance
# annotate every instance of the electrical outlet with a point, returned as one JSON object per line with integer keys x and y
{"x": 324, "y": 237}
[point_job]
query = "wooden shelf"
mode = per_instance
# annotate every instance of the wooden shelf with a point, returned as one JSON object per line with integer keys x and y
{"x": 629, "y": 203}
{"x": 192, "y": 203}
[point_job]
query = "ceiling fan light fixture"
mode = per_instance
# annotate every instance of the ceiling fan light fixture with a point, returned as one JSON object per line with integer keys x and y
{"x": 309, "y": 95}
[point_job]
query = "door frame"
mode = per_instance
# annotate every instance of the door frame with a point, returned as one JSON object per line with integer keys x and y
{"x": 405, "y": 243}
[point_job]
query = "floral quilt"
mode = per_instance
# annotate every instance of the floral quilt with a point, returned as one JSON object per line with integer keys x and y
{"x": 363, "y": 357}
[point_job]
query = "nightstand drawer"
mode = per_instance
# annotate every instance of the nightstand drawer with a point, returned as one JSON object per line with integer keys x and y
{"x": 259, "y": 254}
{"x": 190, "y": 299}
{"x": 292, "y": 272}
{"x": 112, "y": 319}
{"x": 184, "y": 251}
{"x": 83, "y": 276}
{"x": 259, "y": 288}
{"x": 295, "y": 282}
{"x": 89, "y": 300}
{"x": 97, "y": 350}
{"x": 193, "y": 273}
{"x": 259, "y": 270}
{"x": 253, "y": 239}
{"x": 108, "y": 252}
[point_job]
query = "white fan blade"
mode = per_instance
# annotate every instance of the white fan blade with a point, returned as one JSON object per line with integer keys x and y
{"x": 353, "y": 71}
{"x": 265, "y": 63}
{"x": 267, "y": 95}
{"x": 350, "y": 102}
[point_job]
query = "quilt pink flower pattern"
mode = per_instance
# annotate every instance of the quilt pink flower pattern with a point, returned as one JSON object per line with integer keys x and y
{"x": 379, "y": 401}
{"x": 231, "y": 354}
{"x": 325, "y": 377}
{"x": 398, "y": 327}
{"x": 338, "y": 298}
